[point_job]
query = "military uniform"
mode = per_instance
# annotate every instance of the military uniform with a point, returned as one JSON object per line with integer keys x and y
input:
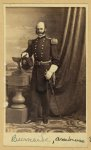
{"x": 45, "y": 53}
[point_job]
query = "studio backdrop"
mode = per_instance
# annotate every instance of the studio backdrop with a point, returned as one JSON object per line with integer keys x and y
{"x": 68, "y": 25}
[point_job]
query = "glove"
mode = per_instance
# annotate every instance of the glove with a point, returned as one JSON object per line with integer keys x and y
{"x": 50, "y": 72}
{"x": 48, "y": 75}
{"x": 25, "y": 54}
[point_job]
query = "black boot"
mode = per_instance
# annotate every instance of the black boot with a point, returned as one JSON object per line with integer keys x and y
{"x": 31, "y": 120}
{"x": 28, "y": 121}
{"x": 45, "y": 120}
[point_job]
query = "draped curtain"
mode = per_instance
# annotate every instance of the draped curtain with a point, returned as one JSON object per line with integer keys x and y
{"x": 71, "y": 76}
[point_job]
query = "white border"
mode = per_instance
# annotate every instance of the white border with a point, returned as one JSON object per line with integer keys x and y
{"x": 44, "y": 5}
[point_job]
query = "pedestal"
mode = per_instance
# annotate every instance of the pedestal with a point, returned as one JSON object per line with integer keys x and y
{"x": 16, "y": 115}
{"x": 18, "y": 79}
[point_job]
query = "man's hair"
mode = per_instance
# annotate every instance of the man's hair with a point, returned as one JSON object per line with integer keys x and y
{"x": 43, "y": 23}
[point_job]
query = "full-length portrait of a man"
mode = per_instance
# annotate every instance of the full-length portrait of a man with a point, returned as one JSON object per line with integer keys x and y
{"x": 46, "y": 63}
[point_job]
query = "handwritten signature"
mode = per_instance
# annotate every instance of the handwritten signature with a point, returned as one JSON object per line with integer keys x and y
{"x": 60, "y": 139}
{"x": 15, "y": 138}
{"x": 43, "y": 138}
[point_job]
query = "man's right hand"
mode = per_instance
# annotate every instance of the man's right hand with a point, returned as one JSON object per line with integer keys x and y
{"x": 25, "y": 54}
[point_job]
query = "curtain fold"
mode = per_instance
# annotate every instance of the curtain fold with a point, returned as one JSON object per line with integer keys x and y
{"x": 68, "y": 85}
{"x": 72, "y": 46}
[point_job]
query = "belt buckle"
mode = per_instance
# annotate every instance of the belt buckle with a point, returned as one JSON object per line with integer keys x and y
{"x": 41, "y": 62}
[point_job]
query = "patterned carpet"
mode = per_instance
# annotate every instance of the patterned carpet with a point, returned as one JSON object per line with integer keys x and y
{"x": 66, "y": 125}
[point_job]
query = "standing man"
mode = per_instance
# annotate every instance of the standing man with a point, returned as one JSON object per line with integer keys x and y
{"x": 45, "y": 65}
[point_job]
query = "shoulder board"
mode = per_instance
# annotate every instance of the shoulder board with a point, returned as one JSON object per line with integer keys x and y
{"x": 29, "y": 42}
{"x": 54, "y": 41}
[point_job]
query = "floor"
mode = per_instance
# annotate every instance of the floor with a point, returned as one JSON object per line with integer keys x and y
{"x": 65, "y": 125}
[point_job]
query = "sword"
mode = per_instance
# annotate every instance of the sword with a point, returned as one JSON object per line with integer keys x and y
{"x": 51, "y": 85}
{"x": 53, "y": 93}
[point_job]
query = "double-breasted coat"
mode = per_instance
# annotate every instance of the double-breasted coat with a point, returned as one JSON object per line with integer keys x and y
{"x": 45, "y": 53}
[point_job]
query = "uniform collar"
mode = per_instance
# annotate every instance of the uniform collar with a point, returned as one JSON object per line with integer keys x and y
{"x": 42, "y": 36}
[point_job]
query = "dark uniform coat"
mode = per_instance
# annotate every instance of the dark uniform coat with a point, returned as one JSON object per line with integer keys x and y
{"x": 44, "y": 50}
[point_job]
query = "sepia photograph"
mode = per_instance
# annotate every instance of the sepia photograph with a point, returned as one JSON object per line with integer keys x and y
{"x": 45, "y": 71}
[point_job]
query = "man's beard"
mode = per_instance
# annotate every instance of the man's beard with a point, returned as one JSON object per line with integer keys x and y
{"x": 40, "y": 33}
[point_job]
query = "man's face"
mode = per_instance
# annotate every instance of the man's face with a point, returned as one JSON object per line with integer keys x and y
{"x": 40, "y": 28}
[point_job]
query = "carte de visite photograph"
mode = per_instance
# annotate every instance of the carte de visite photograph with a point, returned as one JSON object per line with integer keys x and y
{"x": 45, "y": 69}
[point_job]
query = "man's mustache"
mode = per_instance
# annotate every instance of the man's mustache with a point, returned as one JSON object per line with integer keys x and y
{"x": 39, "y": 32}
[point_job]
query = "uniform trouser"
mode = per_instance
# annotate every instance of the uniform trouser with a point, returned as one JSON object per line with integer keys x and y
{"x": 38, "y": 98}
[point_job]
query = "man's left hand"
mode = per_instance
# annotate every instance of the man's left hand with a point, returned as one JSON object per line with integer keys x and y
{"x": 50, "y": 72}
{"x": 48, "y": 75}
